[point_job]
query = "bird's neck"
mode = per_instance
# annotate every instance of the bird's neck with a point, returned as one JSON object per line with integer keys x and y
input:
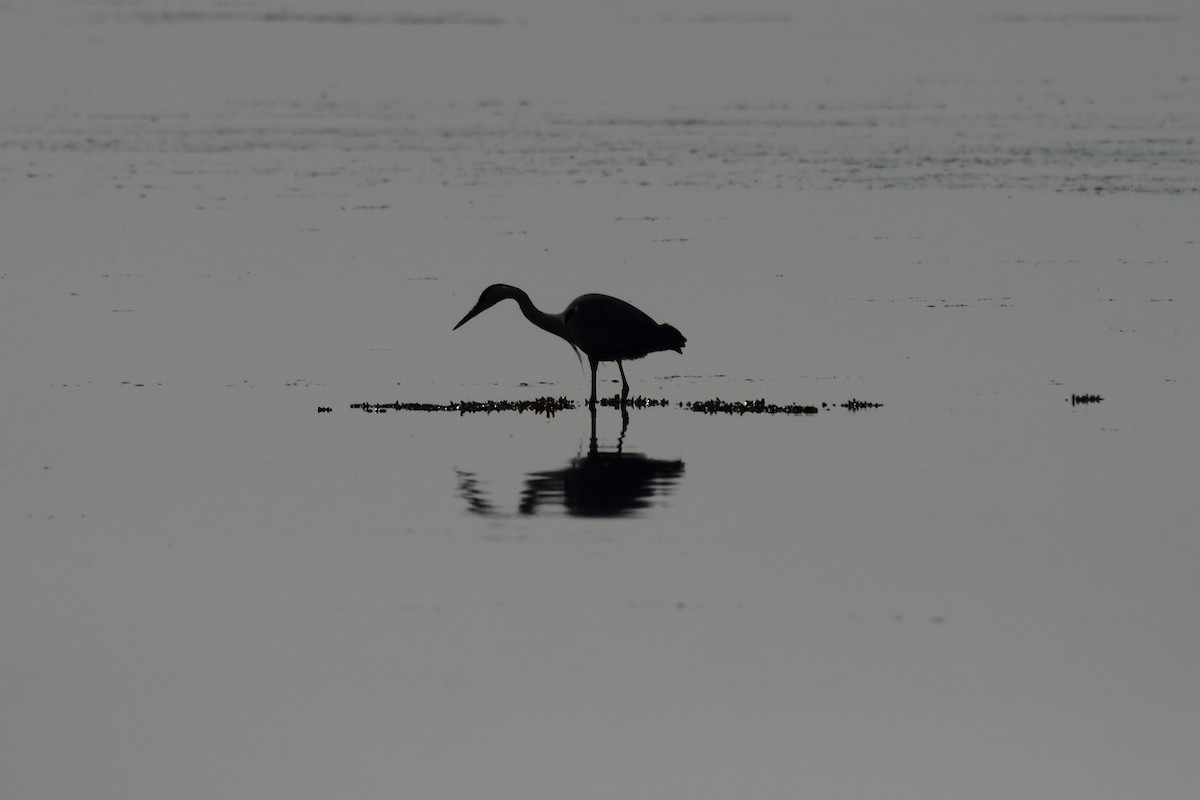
{"x": 554, "y": 323}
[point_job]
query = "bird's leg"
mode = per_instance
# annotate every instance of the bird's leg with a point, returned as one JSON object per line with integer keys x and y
{"x": 592, "y": 446}
{"x": 594, "y": 364}
{"x": 624, "y": 384}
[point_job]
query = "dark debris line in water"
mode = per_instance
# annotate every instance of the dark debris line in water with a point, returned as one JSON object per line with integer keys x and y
{"x": 719, "y": 406}
{"x": 320, "y": 17}
{"x": 1084, "y": 399}
{"x": 551, "y": 405}
{"x": 541, "y": 405}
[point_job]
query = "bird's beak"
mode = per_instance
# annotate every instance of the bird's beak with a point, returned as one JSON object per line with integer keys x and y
{"x": 474, "y": 312}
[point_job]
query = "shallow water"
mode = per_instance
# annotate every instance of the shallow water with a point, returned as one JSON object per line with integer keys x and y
{"x": 219, "y": 219}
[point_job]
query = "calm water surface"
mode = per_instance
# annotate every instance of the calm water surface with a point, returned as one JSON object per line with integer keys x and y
{"x": 218, "y": 219}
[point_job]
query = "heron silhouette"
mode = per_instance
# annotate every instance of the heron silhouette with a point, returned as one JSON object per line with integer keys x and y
{"x": 603, "y": 327}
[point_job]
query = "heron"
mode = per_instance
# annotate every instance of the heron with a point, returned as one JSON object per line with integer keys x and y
{"x": 604, "y": 328}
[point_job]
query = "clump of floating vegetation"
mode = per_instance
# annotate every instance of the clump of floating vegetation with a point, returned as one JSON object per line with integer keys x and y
{"x": 1084, "y": 399}
{"x": 633, "y": 402}
{"x": 541, "y": 405}
{"x": 858, "y": 405}
{"x": 719, "y": 406}
{"x": 552, "y": 405}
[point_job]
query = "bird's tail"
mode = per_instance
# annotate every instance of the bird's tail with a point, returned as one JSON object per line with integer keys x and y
{"x": 670, "y": 338}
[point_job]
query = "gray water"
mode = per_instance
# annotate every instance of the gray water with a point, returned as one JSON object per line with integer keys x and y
{"x": 219, "y": 218}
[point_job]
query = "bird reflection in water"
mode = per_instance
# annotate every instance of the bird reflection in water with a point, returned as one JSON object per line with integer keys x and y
{"x": 606, "y": 482}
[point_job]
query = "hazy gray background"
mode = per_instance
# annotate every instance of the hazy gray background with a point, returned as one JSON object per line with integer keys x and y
{"x": 216, "y": 217}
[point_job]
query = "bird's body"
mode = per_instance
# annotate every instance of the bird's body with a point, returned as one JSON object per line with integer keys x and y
{"x": 604, "y": 328}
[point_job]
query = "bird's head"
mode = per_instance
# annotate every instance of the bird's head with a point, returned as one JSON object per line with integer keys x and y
{"x": 491, "y": 295}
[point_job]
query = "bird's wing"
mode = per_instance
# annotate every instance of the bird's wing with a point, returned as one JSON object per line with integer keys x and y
{"x": 609, "y": 329}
